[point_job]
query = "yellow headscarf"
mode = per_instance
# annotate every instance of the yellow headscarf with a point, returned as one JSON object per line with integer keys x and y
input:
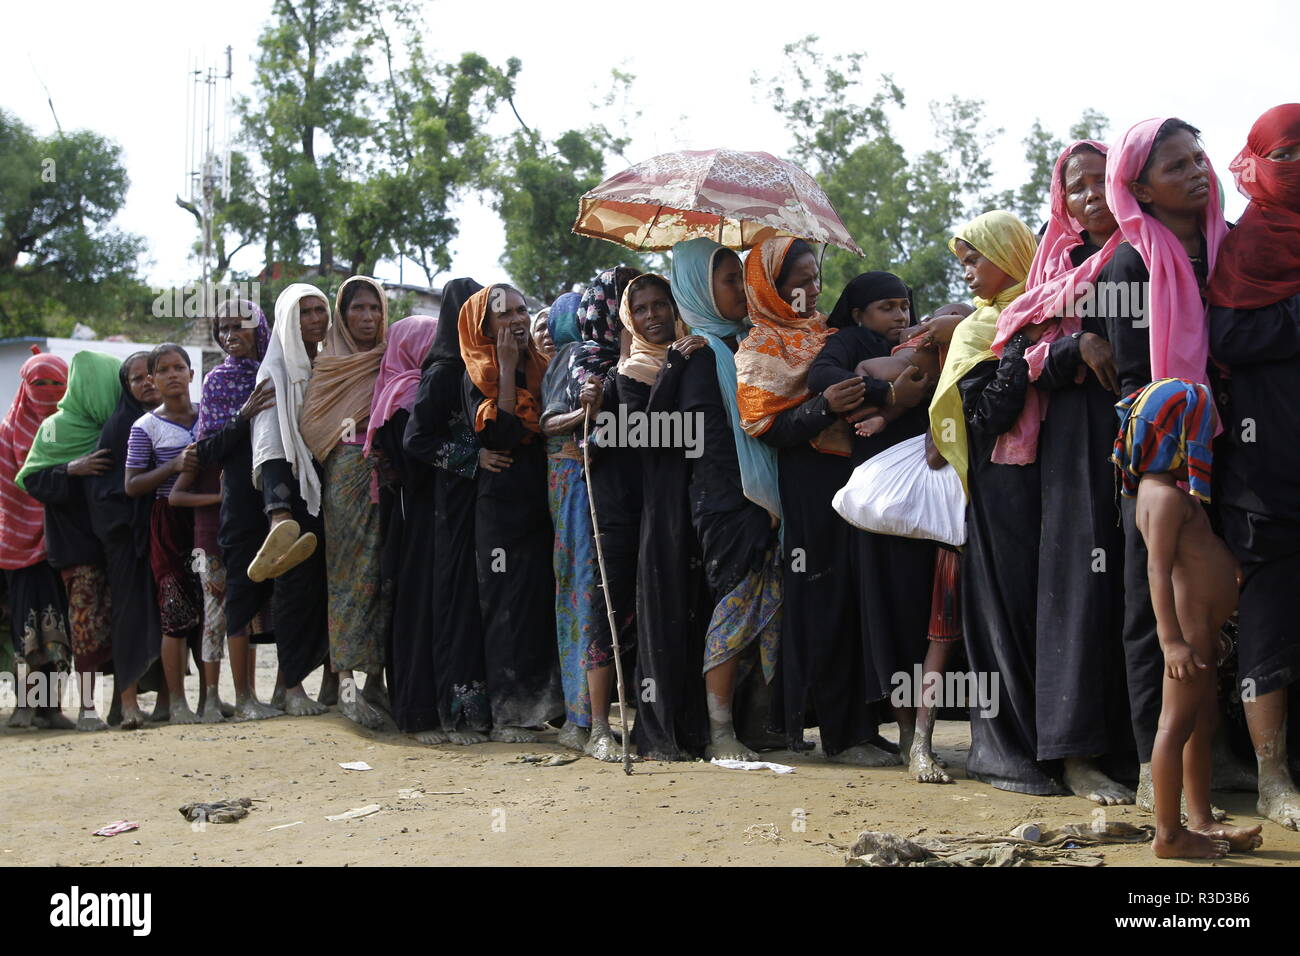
{"x": 1006, "y": 242}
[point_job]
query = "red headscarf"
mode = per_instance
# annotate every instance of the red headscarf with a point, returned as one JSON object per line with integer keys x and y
{"x": 22, "y": 517}
{"x": 1259, "y": 263}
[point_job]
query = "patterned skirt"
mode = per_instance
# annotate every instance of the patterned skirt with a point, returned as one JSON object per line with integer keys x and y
{"x": 358, "y": 607}
{"x": 90, "y": 616}
{"x": 576, "y": 598}
{"x": 171, "y": 556}
{"x": 750, "y": 612}
{"x": 38, "y": 607}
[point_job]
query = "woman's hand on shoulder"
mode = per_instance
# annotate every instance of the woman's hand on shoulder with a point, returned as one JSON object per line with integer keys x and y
{"x": 688, "y": 344}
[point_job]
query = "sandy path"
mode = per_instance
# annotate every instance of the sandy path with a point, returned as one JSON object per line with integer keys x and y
{"x": 59, "y": 786}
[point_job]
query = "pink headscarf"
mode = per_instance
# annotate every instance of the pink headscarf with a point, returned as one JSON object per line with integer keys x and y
{"x": 1180, "y": 343}
{"x": 399, "y": 372}
{"x": 1053, "y": 286}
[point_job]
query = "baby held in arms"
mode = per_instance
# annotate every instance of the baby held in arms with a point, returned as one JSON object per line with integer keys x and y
{"x": 920, "y": 349}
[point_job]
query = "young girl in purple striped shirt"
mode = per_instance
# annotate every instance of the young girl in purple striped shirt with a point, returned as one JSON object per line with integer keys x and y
{"x": 160, "y": 447}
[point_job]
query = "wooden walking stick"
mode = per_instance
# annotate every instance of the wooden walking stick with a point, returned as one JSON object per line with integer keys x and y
{"x": 604, "y": 586}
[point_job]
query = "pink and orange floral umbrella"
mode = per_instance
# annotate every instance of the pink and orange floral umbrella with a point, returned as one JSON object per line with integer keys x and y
{"x": 736, "y": 198}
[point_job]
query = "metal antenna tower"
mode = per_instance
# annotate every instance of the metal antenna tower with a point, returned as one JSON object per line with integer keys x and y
{"x": 207, "y": 157}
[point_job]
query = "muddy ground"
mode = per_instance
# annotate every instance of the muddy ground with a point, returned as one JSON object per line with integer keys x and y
{"x": 482, "y": 805}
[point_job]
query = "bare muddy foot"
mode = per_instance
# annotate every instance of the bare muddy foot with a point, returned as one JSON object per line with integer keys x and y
{"x": 89, "y": 722}
{"x": 181, "y": 713}
{"x": 254, "y": 709}
{"x": 924, "y": 769}
{"x": 22, "y": 717}
{"x": 603, "y": 745}
{"x": 1146, "y": 800}
{"x": 376, "y": 694}
{"x": 1240, "y": 839}
{"x": 514, "y": 735}
{"x": 132, "y": 718}
{"x": 298, "y": 704}
{"x": 466, "y": 738}
{"x": 1085, "y": 780}
{"x": 211, "y": 712}
{"x": 1281, "y": 805}
{"x": 866, "y": 755}
{"x": 727, "y": 747}
{"x": 51, "y": 718}
{"x": 431, "y": 737}
{"x": 358, "y": 710}
{"x": 572, "y": 736}
{"x": 1185, "y": 844}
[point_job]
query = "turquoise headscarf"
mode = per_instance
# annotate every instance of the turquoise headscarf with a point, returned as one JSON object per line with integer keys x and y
{"x": 692, "y": 283}
{"x": 562, "y": 320}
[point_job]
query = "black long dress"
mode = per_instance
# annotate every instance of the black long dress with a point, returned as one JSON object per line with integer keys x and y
{"x": 1258, "y": 492}
{"x": 69, "y": 538}
{"x": 299, "y": 598}
{"x": 1000, "y": 580}
{"x": 735, "y": 534}
{"x": 1131, "y": 341}
{"x": 243, "y": 525}
{"x": 407, "y": 562}
{"x": 514, "y": 541}
{"x": 893, "y": 576}
{"x": 616, "y": 487}
{"x": 1082, "y": 707}
{"x": 672, "y": 598}
{"x": 122, "y": 525}
{"x": 438, "y": 436}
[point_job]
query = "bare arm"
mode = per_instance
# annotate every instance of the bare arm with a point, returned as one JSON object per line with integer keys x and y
{"x": 181, "y": 496}
{"x": 140, "y": 482}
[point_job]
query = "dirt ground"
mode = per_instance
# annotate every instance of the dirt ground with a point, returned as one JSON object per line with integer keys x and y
{"x": 482, "y": 805}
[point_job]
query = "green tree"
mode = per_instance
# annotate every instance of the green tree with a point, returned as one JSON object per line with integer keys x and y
{"x": 899, "y": 211}
{"x": 363, "y": 141}
{"x": 60, "y": 254}
{"x": 1032, "y": 201}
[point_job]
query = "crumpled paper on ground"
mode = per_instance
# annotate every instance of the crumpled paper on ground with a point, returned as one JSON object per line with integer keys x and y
{"x": 751, "y": 765}
{"x": 874, "y": 848}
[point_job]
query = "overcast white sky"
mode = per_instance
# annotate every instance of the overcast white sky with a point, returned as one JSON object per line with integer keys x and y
{"x": 120, "y": 69}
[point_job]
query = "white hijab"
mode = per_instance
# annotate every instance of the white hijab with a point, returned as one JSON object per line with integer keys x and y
{"x": 289, "y": 367}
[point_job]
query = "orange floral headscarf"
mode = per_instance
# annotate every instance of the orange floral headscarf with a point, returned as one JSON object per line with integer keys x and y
{"x": 479, "y": 350}
{"x": 773, "y": 359}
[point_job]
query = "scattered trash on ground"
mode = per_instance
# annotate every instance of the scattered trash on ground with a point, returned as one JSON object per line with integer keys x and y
{"x": 547, "y": 760}
{"x": 356, "y": 765}
{"x": 355, "y": 813}
{"x": 220, "y": 811}
{"x": 751, "y": 765}
{"x": 113, "y": 829}
{"x": 763, "y": 833}
{"x": 285, "y": 826}
{"x": 1062, "y": 846}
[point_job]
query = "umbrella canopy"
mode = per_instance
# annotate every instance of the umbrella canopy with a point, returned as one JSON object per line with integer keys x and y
{"x": 735, "y": 198}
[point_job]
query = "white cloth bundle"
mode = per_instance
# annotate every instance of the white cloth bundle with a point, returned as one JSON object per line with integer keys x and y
{"x": 897, "y": 492}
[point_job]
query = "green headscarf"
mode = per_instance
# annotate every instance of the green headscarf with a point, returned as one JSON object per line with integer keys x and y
{"x": 73, "y": 430}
